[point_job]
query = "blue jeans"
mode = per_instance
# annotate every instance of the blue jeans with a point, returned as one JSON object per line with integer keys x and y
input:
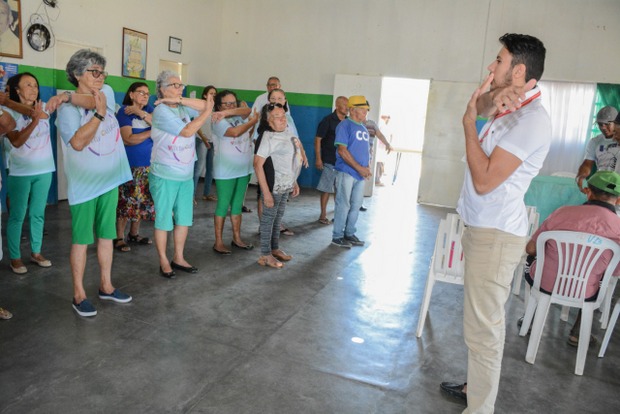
{"x": 349, "y": 198}
{"x": 205, "y": 161}
{"x": 270, "y": 224}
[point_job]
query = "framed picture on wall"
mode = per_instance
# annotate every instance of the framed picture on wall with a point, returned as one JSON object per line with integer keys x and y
{"x": 175, "y": 44}
{"x": 10, "y": 28}
{"x": 134, "y": 53}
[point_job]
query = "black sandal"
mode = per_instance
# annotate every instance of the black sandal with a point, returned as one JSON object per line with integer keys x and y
{"x": 137, "y": 239}
{"x": 121, "y": 246}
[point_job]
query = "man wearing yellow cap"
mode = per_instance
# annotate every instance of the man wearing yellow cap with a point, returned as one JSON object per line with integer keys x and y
{"x": 352, "y": 167}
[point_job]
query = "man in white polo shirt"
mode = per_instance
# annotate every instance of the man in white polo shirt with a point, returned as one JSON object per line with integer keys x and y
{"x": 501, "y": 162}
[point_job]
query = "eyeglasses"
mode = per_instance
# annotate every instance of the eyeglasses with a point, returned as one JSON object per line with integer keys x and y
{"x": 96, "y": 73}
{"x": 176, "y": 85}
{"x": 273, "y": 106}
{"x": 142, "y": 93}
{"x": 233, "y": 103}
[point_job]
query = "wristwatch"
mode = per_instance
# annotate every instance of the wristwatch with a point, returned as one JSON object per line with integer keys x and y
{"x": 98, "y": 116}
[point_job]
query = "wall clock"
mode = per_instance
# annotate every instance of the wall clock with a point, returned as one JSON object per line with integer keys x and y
{"x": 38, "y": 37}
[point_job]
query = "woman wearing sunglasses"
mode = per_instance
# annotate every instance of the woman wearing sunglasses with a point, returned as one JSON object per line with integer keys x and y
{"x": 134, "y": 197}
{"x": 175, "y": 122}
{"x": 284, "y": 150}
{"x": 277, "y": 97}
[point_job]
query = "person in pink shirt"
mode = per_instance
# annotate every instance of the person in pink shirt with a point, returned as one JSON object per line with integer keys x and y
{"x": 597, "y": 216}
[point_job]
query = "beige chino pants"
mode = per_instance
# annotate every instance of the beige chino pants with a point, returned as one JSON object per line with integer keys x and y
{"x": 491, "y": 257}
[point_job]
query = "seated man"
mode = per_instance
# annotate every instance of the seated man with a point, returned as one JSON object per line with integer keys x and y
{"x": 596, "y": 216}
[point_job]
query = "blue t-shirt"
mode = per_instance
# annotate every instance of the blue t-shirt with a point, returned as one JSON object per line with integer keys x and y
{"x": 138, "y": 155}
{"x": 355, "y": 137}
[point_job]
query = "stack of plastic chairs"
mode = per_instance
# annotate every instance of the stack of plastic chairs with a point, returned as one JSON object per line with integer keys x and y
{"x": 577, "y": 254}
{"x": 533, "y": 219}
{"x": 446, "y": 263}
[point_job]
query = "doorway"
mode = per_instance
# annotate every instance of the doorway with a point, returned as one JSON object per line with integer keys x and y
{"x": 404, "y": 101}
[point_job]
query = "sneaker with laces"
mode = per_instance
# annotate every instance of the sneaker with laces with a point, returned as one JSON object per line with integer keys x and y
{"x": 341, "y": 243}
{"x": 84, "y": 308}
{"x": 116, "y": 296}
{"x": 354, "y": 240}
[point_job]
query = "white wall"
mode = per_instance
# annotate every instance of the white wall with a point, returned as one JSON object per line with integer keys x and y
{"x": 100, "y": 24}
{"x": 239, "y": 43}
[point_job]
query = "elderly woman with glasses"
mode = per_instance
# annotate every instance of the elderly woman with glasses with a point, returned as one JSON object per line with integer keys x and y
{"x": 175, "y": 123}
{"x": 285, "y": 152}
{"x": 134, "y": 197}
{"x": 232, "y": 166}
{"x": 95, "y": 165}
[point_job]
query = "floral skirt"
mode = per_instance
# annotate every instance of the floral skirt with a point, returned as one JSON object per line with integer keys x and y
{"x": 134, "y": 197}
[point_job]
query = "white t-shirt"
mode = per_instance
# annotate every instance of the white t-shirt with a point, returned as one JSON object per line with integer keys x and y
{"x": 604, "y": 152}
{"x": 525, "y": 133}
{"x": 285, "y": 151}
{"x": 233, "y": 156}
{"x": 35, "y": 156}
{"x": 102, "y": 165}
{"x": 173, "y": 155}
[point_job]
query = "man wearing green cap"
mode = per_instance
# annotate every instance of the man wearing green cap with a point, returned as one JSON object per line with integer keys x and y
{"x": 597, "y": 216}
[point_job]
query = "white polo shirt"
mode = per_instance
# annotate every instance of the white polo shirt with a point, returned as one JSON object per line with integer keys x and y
{"x": 525, "y": 133}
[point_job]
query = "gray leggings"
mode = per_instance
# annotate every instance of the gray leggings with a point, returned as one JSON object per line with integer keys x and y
{"x": 270, "y": 223}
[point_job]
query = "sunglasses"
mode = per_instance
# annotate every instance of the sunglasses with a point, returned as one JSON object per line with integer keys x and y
{"x": 273, "y": 106}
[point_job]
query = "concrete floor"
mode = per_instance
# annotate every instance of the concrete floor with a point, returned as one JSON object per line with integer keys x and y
{"x": 333, "y": 332}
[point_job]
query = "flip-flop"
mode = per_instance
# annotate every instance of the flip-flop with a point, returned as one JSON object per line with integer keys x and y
{"x": 246, "y": 210}
{"x": 324, "y": 221}
{"x": 287, "y": 232}
{"x": 574, "y": 340}
{"x": 138, "y": 240}
{"x": 264, "y": 261}
{"x": 121, "y": 247}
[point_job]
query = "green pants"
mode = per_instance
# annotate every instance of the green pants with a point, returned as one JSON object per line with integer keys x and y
{"x": 27, "y": 193}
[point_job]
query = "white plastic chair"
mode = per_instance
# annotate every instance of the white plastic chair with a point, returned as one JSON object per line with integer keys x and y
{"x": 606, "y": 307}
{"x": 610, "y": 329}
{"x": 577, "y": 254}
{"x": 446, "y": 263}
{"x": 532, "y": 225}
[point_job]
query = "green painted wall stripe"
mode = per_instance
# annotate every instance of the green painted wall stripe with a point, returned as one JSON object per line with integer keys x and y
{"x": 57, "y": 78}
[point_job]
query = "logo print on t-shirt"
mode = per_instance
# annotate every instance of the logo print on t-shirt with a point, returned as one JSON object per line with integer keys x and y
{"x": 183, "y": 152}
{"x": 103, "y": 144}
{"x": 361, "y": 136}
{"x": 39, "y": 138}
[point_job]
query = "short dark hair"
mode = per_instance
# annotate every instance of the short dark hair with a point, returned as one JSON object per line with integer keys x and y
{"x": 13, "y": 84}
{"x": 132, "y": 88}
{"x": 218, "y": 98}
{"x": 527, "y": 50}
